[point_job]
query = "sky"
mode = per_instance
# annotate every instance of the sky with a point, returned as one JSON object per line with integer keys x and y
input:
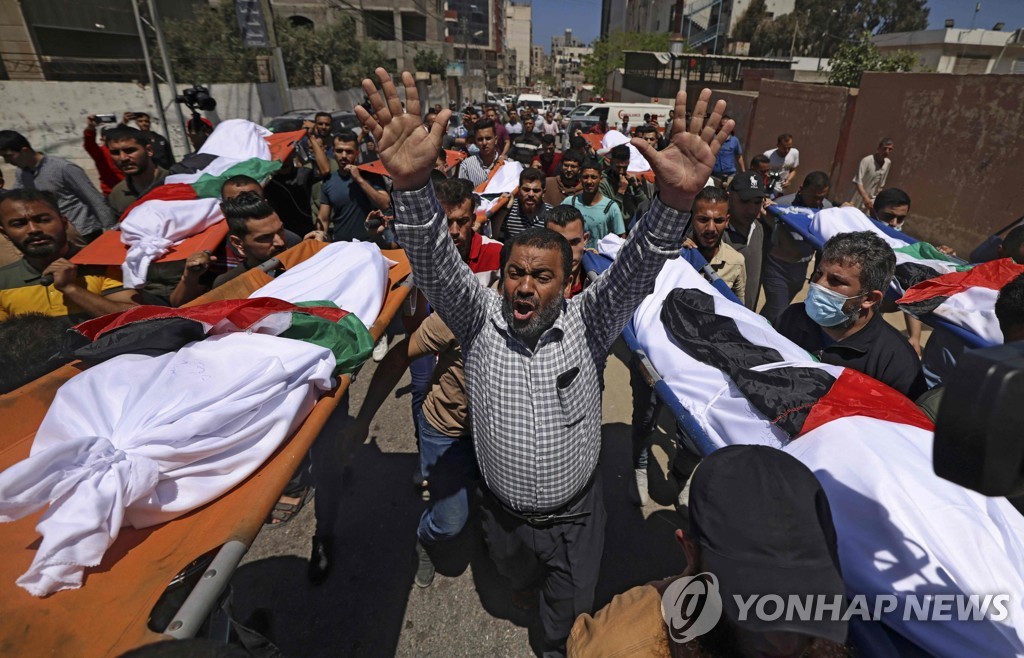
{"x": 551, "y": 17}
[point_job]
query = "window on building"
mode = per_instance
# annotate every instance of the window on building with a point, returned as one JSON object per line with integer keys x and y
{"x": 414, "y": 27}
{"x": 380, "y": 25}
{"x": 966, "y": 64}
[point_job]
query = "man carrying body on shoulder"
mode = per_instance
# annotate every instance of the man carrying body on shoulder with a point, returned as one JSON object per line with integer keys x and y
{"x": 872, "y": 173}
{"x": 347, "y": 197}
{"x": 133, "y": 155}
{"x": 785, "y": 268}
{"x": 543, "y": 356}
{"x": 476, "y": 168}
{"x": 740, "y": 495}
{"x": 841, "y": 322}
{"x": 163, "y": 155}
{"x": 600, "y": 214}
{"x": 527, "y": 208}
{"x": 45, "y": 281}
{"x": 709, "y": 223}
{"x": 745, "y": 232}
{"x": 79, "y": 201}
{"x": 568, "y": 223}
{"x": 567, "y": 182}
{"x": 628, "y": 190}
{"x": 784, "y": 161}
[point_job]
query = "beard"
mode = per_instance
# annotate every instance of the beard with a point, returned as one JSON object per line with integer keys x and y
{"x": 48, "y": 247}
{"x": 542, "y": 319}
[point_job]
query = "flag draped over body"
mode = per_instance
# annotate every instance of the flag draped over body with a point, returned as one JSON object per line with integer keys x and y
{"x": 902, "y": 530}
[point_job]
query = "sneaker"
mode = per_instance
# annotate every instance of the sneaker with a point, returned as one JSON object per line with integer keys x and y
{"x": 424, "y": 567}
{"x": 380, "y": 350}
{"x": 641, "y": 485}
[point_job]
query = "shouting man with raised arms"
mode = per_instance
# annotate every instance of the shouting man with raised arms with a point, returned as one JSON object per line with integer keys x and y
{"x": 533, "y": 359}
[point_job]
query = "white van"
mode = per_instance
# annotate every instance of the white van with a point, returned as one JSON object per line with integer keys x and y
{"x": 536, "y": 101}
{"x": 615, "y": 113}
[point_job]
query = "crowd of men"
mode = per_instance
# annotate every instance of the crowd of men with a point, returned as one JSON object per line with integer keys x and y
{"x": 508, "y": 369}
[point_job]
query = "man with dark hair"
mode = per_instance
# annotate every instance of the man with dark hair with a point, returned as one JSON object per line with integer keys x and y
{"x": 601, "y": 215}
{"x": 476, "y": 168}
{"x": 785, "y": 268}
{"x": 548, "y": 159}
{"x": 1012, "y": 245}
{"x": 108, "y": 172}
{"x": 538, "y": 441}
{"x": 757, "y": 518}
{"x": 625, "y": 189}
{"x": 503, "y": 142}
{"x": 78, "y": 200}
{"x": 760, "y": 165}
{"x": 649, "y": 134}
{"x": 745, "y": 232}
{"x": 132, "y": 152}
{"x": 254, "y": 231}
{"x": 891, "y": 206}
{"x": 322, "y": 123}
{"x": 872, "y": 172}
{"x": 567, "y": 182}
{"x": 528, "y": 144}
{"x": 163, "y": 156}
{"x": 45, "y": 280}
{"x": 730, "y": 160}
{"x": 710, "y": 219}
{"x": 347, "y": 196}
{"x": 236, "y": 185}
{"x": 198, "y": 130}
{"x": 526, "y": 209}
{"x": 1010, "y": 310}
{"x": 568, "y": 222}
{"x": 784, "y": 160}
{"x": 840, "y": 321}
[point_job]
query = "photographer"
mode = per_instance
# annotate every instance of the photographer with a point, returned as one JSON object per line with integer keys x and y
{"x": 163, "y": 156}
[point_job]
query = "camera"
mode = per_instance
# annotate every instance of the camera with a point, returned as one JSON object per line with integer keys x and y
{"x": 105, "y": 118}
{"x": 978, "y": 441}
{"x": 197, "y": 98}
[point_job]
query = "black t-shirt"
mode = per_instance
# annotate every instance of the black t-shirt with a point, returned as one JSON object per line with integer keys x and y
{"x": 877, "y": 350}
{"x": 290, "y": 195}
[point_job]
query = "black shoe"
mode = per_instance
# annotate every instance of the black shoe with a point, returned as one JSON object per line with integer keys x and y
{"x": 424, "y": 567}
{"x": 320, "y": 559}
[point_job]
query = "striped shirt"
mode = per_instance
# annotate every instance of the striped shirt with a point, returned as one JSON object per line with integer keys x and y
{"x": 516, "y": 222}
{"x": 77, "y": 198}
{"x": 536, "y": 413}
{"x": 474, "y": 170}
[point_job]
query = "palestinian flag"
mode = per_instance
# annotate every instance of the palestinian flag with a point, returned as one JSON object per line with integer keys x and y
{"x": 920, "y": 261}
{"x": 153, "y": 330}
{"x": 161, "y": 227}
{"x": 797, "y": 398}
{"x": 965, "y": 298}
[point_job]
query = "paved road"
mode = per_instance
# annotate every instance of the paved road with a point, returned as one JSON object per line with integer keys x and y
{"x": 369, "y": 605}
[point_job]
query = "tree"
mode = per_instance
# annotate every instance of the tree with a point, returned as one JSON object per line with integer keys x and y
{"x": 208, "y": 48}
{"x": 429, "y": 61}
{"x": 750, "y": 21}
{"x": 822, "y": 26}
{"x": 609, "y": 54}
{"x": 853, "y": 59}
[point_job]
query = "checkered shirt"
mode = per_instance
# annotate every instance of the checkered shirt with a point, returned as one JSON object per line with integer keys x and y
{"x": 537, "y": 444}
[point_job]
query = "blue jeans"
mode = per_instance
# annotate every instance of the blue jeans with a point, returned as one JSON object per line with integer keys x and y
{"x": 421, "y": 372}
{"x": 449, "y": 464}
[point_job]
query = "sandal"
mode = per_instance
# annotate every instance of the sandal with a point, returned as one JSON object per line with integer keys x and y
{"x": 284, "y": 512}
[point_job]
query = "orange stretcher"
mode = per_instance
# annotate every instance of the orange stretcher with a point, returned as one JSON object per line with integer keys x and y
{"x": 110, "y": 614}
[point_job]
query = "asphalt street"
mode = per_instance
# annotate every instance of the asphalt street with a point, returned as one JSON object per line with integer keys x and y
{"x": 369, "y": 605}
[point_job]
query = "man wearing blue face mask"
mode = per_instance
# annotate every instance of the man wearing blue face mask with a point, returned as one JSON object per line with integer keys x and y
{"x": 840, "y": 322}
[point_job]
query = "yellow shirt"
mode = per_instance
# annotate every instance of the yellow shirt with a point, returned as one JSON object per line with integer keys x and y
{"x": 21, "y": 292}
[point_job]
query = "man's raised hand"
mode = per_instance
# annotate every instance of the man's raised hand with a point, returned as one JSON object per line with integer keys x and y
{"x": 407, "y": 148}
{"x": 684, "y": 166}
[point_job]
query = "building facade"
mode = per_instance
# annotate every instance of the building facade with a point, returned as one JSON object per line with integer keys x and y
{"x": 959, "y": 51}
{"x": 567, "y": 53}
{"x": 519, "y": 36}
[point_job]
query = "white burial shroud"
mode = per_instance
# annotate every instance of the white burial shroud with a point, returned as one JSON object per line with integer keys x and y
{"x": 139, "y": 440}
{"x": 153, "y": 227}
{"x": 902, "y": 529}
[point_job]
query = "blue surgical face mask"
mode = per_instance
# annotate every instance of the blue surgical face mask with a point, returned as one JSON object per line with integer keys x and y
{"x": 825, "y": 306}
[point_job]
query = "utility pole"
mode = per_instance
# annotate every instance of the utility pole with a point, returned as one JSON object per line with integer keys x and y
{"x": 155, "y": 18}
{"x": 157, "y": 100}
{"x": 464, "y": 25}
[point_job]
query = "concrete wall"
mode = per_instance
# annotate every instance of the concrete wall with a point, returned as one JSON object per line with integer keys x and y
{"x": 958, "y": 150}
{"x": 814, "y": 114}
{"x": 741, "y": 107}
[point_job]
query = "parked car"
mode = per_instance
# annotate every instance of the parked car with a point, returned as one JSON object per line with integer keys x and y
{"x": 340, "y": 120}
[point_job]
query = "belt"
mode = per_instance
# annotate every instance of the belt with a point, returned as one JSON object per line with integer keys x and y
{"x": 555, "y": 517}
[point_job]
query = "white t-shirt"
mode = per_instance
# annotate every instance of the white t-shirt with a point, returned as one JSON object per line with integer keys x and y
{"x": 785, "y": 164}
{"x": 514, "y": 128}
